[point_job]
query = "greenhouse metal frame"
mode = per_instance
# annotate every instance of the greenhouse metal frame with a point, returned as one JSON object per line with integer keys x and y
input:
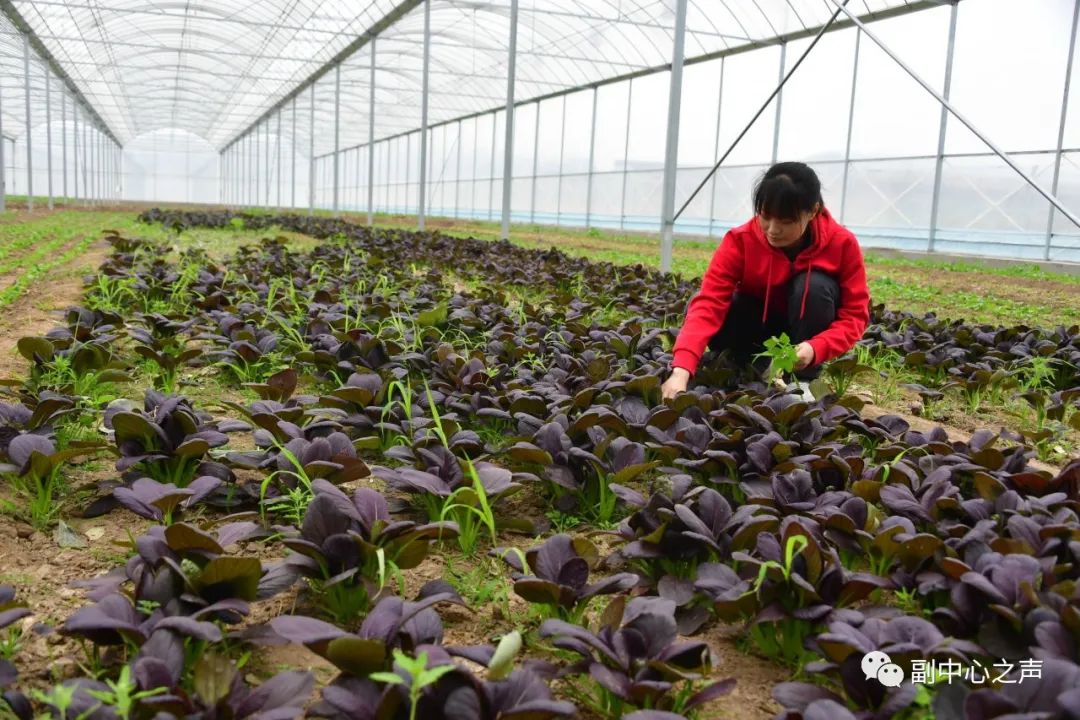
{"x": 366, "y": 107}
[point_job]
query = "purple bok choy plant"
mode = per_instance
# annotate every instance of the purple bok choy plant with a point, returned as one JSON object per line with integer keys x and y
{"x": 460, "y": 491}
{"x": 677, "y": 537}
{"x": 35, "y": 472}
{"x": 555, "y": 576}
{"x": 635, "y": 661}
{"x": 792, "y": 584}
{"x": 294, "y": 460}
{"x": 11, "y": 611}
{"x": 426, "y": 683}
{"x": 848, "y": 639}
{"x": 350, "y": 548}
{"x": 392, "y": 624}
{"x": 214, "y": 689}
{"x": 175, "y": 595}
{"x": 168, "y": 441}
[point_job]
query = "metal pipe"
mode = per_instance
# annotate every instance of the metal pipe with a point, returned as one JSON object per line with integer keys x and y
{"x": 716, "y": 146}
{"x": 850, "y": 124}
{"x": 508, "y": 143}
{"x": 562, "y": 154}
{"x": 1061, "y": 130}
{"x": 457, "y": 175}
{"x": 779, "y": 103}
{"x": 337, "y": 139}
{"x": 48, "y": 134}
{"x": 421, "y": 206}
{"x": 292, "y": 155}
{"x": 311, "y": 154}
{"x": 536, "y": 153}
{"x": 476, "y": 144}
{"x": 29, "y": 126}
{"x": 87, "y": 190}
{"x": 277, "y": 165}
{"x": 671, "y": 149}
{"x": 626, "y": 155}
{"x": 63, "y": 143}
{"x": 75, "y": 148}
{"x": 592, "y": 157}
{"x": 491, "y": 172}
{"x": 371, "y": 141}
{"x": 939, "y": 163}
{"x": 3, "y": 167}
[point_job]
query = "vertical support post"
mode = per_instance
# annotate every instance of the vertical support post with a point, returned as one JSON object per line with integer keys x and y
{"x": 408, "y": 170}
{"x": 311, "y": 154}
{"x": 277, "y": 163}
{"x": 476, "y": 143}
{"x": 371, "y": 141}
{"x": 337, "y": 137}
{"x": 266, "y": 160}
{"x": 536, "y": 152}
{"x": 562, "y": 154}
{"x": 779, "y": 103}
{"x": 940, "y": 162}
{"x": 29, "y": 127}
{"x": 671, "y": 150}
{"x": 292, "y": 153}
{"x": 491, "y": 172}
{"x": 249, "y": 156}
{"x": 1061, "y": 131}
{"x": 425, "y": 86}
{"x": 508, "y": 143}
{"x": 3, "y": 167}
{"x": 75, "y": 148}
{"x": 592, "y": 157}
{"x": 87, "y": 190}
{"x": 716, "y": 147}
{"x": 850, "y": 123}
{"x": 63, "y": 144}
{"x": 48, "y": 134}
{"x": 626, "y": 155}
{"x": 457, "y": 174}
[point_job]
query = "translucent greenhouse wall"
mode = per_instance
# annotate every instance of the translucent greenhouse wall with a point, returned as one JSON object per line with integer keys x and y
{"x": 54, "y": 148}
{"x": 595, "y": 156}
{"x": 1007, "y": 77}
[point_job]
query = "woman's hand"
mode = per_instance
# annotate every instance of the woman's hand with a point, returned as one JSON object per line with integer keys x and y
{"x": 675, "y": 384}
{"x": 805, "y": 352}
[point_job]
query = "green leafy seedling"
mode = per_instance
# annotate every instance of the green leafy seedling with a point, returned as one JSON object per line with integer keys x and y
{"x": 783, "y": 357}
{"x": 416, "y": 675}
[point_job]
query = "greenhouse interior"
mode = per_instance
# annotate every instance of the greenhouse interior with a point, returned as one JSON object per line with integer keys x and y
{"x": 402, "y": 108}
{"x": 539, "y": 360}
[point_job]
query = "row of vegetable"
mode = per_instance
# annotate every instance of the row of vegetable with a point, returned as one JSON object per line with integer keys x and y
{"x": 390, "y": 395}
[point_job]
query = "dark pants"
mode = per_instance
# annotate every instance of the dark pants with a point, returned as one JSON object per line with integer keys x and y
{"x": 743, "y": 334}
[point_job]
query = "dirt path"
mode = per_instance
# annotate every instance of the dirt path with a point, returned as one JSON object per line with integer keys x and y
{"x": 35, "y": 312}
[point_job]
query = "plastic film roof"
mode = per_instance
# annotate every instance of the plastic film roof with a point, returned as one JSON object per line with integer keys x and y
{"x": 213, "y": 67}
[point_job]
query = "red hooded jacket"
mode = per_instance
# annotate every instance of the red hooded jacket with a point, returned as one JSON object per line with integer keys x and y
{"x": 745, "y": 261}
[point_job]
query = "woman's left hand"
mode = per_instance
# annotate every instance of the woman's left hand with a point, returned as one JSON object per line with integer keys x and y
{"x": 805, "y": 352}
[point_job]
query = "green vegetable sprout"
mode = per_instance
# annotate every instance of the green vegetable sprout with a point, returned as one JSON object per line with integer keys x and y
{"x": 782, "y": 355}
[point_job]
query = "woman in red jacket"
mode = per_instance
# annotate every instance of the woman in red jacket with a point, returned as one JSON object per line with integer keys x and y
{"x": 791, "y": 269}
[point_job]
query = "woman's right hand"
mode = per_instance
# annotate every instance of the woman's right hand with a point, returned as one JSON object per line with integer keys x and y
{"x": 675, "y": 384}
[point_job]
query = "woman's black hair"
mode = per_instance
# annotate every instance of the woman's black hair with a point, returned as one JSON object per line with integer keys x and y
{"x": 786, "y": 190}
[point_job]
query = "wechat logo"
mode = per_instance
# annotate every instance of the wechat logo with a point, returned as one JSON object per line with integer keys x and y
{"x": 879, "y": 666}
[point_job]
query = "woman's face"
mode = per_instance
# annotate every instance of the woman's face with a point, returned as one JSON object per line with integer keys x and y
{"x": 784, "y": 232}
